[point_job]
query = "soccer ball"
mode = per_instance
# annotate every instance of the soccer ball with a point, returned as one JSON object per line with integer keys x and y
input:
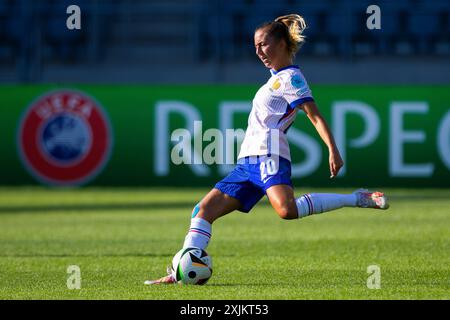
{"x": 192, "y": 266}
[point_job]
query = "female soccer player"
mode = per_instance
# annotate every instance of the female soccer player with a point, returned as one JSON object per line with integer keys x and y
{"x": 264, "y": 165}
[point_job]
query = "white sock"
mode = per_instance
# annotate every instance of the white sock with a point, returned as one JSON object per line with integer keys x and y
{"x": 199, "y": 234}
{"x": 322, "y": 202}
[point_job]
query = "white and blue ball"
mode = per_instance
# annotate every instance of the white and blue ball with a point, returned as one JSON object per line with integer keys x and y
{"x": 192, "y": 266}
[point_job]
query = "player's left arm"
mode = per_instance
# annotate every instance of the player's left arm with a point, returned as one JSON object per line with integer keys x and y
{"x": 314, "y": 115}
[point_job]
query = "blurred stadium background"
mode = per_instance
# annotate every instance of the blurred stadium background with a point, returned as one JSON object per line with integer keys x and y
{"x": 210, "y": 41}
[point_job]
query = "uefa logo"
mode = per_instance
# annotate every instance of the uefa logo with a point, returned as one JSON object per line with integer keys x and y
{"x": 64, "y": 138}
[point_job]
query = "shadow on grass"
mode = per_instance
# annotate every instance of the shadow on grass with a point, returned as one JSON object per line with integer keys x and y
{"x": 85, "y": 255}
{"x": 76, "y": 208}
{"x": 96, "y": 255}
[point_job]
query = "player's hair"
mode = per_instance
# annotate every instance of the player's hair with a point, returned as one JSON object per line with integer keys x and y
{"x": 290, "y": 28}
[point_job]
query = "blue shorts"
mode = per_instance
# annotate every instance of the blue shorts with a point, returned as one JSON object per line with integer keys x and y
{"x": 252, "y": 176}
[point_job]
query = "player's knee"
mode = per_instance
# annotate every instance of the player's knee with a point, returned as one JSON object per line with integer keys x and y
{"x": 287, "y": 212}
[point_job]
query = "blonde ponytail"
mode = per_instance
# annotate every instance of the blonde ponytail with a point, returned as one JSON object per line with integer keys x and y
{"x": 295, "y": 24}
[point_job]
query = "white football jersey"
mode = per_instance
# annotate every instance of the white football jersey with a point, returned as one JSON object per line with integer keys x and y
{"x": 273, "y": 112}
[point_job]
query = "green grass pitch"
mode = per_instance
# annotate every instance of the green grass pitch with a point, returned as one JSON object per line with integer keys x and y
{"x": 121, "y": 237}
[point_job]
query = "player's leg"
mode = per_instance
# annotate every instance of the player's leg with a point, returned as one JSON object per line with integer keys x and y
{"x": 288, "y": 207}
{"x": 234, "y": 192}
{"x": 281, "y": 197}
{"x": 213, "y": 206}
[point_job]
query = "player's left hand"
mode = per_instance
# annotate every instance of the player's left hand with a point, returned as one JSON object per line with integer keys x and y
{"x": 336, "y": 162}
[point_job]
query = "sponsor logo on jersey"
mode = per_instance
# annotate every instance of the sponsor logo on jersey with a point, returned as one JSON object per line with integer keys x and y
{"x": 64, "y": 138}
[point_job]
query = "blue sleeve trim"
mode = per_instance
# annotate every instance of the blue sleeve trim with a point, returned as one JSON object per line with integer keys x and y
{"x": 298, "y": 102}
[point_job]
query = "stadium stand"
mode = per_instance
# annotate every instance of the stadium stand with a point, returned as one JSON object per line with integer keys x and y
{"x": 33, "y": 36}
